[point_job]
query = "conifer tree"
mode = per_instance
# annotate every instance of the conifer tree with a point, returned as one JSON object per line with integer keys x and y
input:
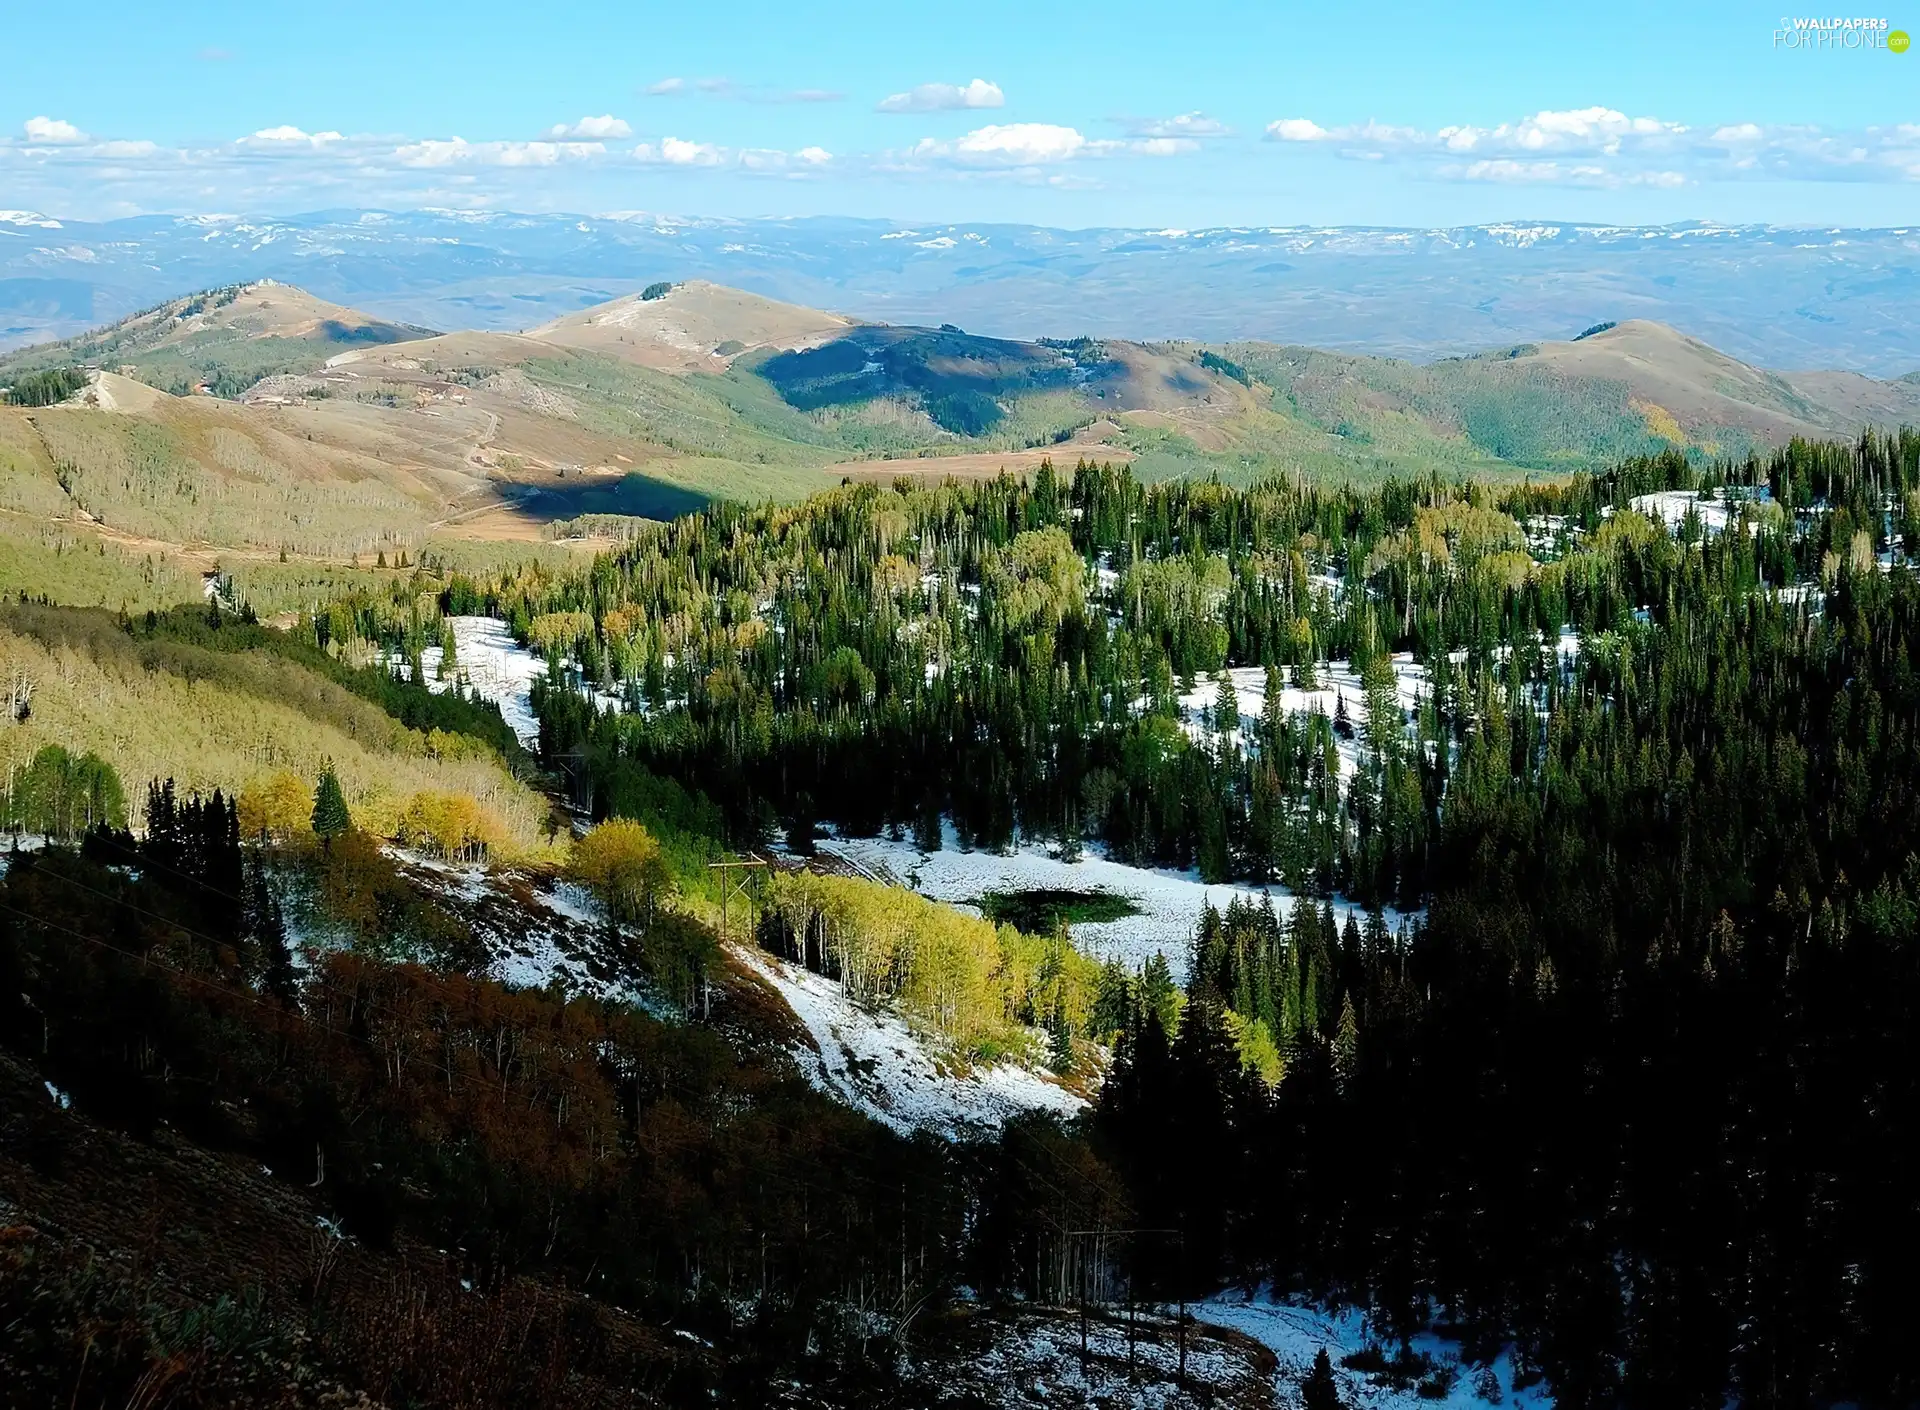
{"x": 330, "y": 815}
{"x": 1346, "y": 1045}
{"x": 1318, "y": 1389}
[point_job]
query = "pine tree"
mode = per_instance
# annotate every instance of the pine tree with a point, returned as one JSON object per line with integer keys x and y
{"x": 267, "y": 928}
{"x": 330, "y": 815}
{"x": 1158, "y": 996}
{"x": 1346, "y": 1045}
{"x": 1318, "y": 1390}
{"x": 1059, "y": 1039}
{"x": 449, "y": 653}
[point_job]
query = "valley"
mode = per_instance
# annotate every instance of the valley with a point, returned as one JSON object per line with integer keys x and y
{"x": 788, "y": 860}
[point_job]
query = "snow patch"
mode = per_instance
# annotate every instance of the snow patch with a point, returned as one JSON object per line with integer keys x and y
{"x": 496, "y": 668}
{"x": 1169, "y": 903}
{"x": 875, "y": 1063}
{"x": 1670, "y": 507}
{"x": 1339, "y": 684}
{"x": 1295, "y": 1332}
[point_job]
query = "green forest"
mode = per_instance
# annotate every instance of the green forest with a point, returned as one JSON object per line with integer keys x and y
{"x": 1604, "y": 1070}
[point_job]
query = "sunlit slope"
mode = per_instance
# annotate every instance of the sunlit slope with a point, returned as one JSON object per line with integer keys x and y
{"x": 225, "y": 339}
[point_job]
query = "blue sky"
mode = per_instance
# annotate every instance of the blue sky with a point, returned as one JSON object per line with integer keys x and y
{"x": 1125, "y": 113}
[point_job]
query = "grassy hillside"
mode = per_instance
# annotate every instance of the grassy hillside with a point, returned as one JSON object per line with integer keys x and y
{"x": 359, "y": 445}
{"x": 160, "y": 708}
{"x": 226, "y": 339}
{"x": 70, "y": 565}
{"x": 195, "y": 470}
{"x": 1630, "y": 389}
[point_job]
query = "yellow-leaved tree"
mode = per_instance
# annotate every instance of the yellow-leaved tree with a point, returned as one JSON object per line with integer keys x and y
{"x": 621, "y": 863}
{"x": 277, "y": 807}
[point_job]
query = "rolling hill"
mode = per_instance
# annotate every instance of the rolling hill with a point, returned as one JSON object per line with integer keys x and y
{"x": 343, "y": 435}
{"x": 692, "y": 327}
{"x": 221, "y": 339}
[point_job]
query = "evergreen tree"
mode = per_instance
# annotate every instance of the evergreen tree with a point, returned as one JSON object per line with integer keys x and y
{"x": 1318, "y": 1389}
{"x": 1346, "y": 1045}
{"x": 267, "y": 929}
{"x": 330, "y": 815}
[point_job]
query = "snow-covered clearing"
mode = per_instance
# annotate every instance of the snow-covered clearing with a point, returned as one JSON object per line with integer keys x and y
{"x": 496, "y": 668}
{"x": 1670, "y": 507}
{"x": 20, "y": 842}
{"x": 1169, "y": 903}
{"x": 538, "y": 932}
{"x": 875, "y": 1063}
{"x": 1338, "y": 684}
{"x": 1295, "y": 1332}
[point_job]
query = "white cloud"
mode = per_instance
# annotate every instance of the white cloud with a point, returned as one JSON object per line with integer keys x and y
{"x": 591, "y": 128}
{"x": 54, "y": 131}
{"x": 1605, "y": 147}
{"x": 432, "y": 152}
{"x": 1508, "y": 171}
{"x": 1007, "y": 144}
{"x": 938, "y": 97}
{"x": 1574, "y": 129}
{"x": 435, "y": 152}
{"x": 1026, "y": 146}
{"x": 678, "y": 152}
{"x": 1296, "y": 130}
{"x": 125, "y": 150}
{"x": 289, "y": 136}
{"x": 673, "y": 151}
{"x": 1182, "y": 125}
{"x": 729, "y": 90}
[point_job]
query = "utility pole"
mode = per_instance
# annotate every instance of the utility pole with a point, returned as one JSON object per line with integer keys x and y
{"x": 746, "y": 867}
{"x": 730, "y": 886}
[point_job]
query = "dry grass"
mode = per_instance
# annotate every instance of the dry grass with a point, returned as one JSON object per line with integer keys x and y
{"x": 681, "y": 331}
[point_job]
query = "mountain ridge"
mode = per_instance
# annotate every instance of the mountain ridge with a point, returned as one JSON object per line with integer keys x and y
{"x": 341, "y": 433}
{"x": 1775, "y": 295}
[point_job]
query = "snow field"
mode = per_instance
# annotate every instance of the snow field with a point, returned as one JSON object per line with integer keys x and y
{"x": 499, "y": 669}
{"x": 1169, "y": 903}
{"x": 1670, "y": 506}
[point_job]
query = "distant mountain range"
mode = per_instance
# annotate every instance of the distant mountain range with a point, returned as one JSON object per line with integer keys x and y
{"x": 1771, "y": 296}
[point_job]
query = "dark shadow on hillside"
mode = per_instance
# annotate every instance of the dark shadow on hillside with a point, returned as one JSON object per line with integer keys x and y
{"x": 335, "y": 331}
{"x": 633, "y": 494}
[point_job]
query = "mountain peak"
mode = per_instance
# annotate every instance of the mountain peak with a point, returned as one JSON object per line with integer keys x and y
{"x": 694, "y": 326}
